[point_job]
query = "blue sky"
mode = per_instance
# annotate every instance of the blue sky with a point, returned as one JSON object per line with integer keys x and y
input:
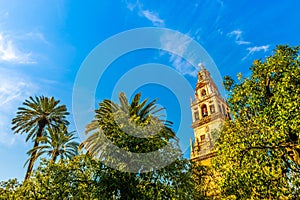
{"x": 43, "y": 44}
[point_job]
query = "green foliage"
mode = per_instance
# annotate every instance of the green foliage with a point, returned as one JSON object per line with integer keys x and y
{"x": 228, "y": 82}
{"x": 258, "y": 151}
{"x": 85, "y": 178}
{"x": 9, "y": 189}
{"x": 204, "y": 182}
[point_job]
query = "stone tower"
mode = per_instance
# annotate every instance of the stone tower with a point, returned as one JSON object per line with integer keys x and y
{"x": 209, "y": 110}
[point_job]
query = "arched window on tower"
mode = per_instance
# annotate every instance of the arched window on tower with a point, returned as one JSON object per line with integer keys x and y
{"x": 196, "y": 115}
{"x": 212, "y": 109}
{"x": 204, "y": 111}
{"x": 200, "y": 77}
{"x": 202, "y": 138}
{"x": 203, "y": 92}
{"x": 223, "y": 109}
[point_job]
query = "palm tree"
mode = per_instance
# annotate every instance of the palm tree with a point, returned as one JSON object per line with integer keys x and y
{"x": 37, "y": 114}
{"x": 136, "y": 128}
{"x": 57, "y": 142}
{"x": 117, "y": 121}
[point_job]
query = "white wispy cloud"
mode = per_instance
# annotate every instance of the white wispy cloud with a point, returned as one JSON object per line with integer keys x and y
{"x": 237, "y": 34}
{"x": 240, "y": 42}
{"x": 14, "y": 89}
{"x": 258, "y": 48}
{"x": 238, "y": 37}
{"x": 176, "y": 43}
{"x": 10, "y": 53}
{"x": 153, "y": 17}
{"x": 150, "y": 15}
{"x": 252, "y": 50}
{"x": 37, "y": 35}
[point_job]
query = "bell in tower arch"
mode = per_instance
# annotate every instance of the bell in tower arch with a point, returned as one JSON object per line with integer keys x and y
{"x": 204, "y": 110}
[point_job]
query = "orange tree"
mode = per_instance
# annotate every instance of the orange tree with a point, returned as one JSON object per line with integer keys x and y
{"x": 258, "y": 151}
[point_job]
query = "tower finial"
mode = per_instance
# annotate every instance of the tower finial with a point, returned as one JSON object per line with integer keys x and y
{"x": 201, "y": 66}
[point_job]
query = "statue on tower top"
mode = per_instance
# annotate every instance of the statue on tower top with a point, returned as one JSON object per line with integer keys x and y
{"x": 201, "y": 66}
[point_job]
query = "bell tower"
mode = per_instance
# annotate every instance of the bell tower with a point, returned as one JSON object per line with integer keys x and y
{"x": 209, "y": 110}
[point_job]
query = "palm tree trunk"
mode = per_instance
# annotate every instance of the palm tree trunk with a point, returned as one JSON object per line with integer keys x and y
{"x": 31, "y": 162}
{"x": 55, "y": 155}
{"x": 42, "y": 124}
